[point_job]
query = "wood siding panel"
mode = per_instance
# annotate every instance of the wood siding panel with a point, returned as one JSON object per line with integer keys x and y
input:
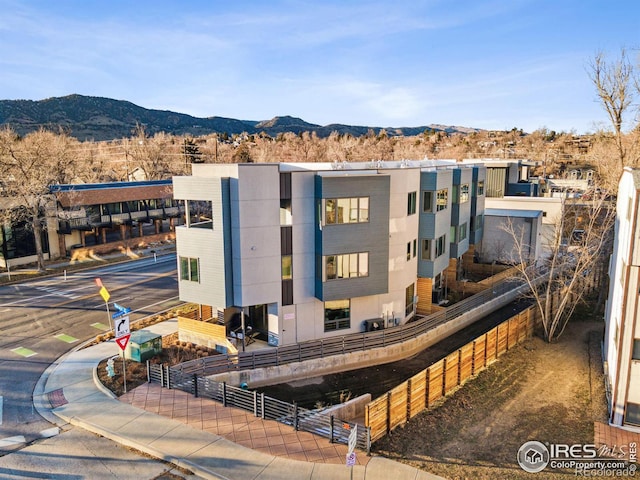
{"x": 479, "y": 354}
{"x": 466, "y": 362}
{"x": 435, "y": 381}
{"x": 398, "y": 405}
{"x": 503, "y": 330}
{"x": 417, "y": 393}
{"x": 452, "y": 371}
{"x": 492, "y": 341}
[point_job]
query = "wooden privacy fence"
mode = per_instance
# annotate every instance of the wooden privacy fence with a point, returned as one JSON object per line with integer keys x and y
{"x": 429, "y": 386}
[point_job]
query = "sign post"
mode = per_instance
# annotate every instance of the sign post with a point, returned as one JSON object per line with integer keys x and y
{"x": 122, "y": 333}
{"x": 351, "y": 455}
{"x": 104, "y": 293}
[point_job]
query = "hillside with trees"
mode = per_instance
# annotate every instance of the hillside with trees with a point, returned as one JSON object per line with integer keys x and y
{"x": 101, "y": 119}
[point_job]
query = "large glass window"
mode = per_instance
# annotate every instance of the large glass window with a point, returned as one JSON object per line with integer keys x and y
{"x": 409, "y": 299}
{"x": 632, "y": 413}
{"x": 200, "y": 213}
{"x": 285, "y": 212}
{"x": 337, "y": 315}
{"x": 346, "y": 210}
{"x": 426, "y": 249}
{"x": 464, "y": 193}
{"x": 190, "y": 269}
{"x": 350, "y": 265}
{"x": 462, "y": 232}
{"x": 477, "y": 222}
{"x": 442, "y": 199}
{"x": 287, "y": 273}
{"x": 440, "y": 245}
{"x": 427, "y": 202}
{"x": 411, "y": 203}
{"x": 480, "y": 188}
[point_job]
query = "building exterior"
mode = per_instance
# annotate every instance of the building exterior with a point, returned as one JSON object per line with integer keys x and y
{"x": 307, "y": 251}
{"x": 87, "y": 215}
{"x": 99, "y": 213}
{"x": 622, "y": 332}
{"x": 499, "y": 244}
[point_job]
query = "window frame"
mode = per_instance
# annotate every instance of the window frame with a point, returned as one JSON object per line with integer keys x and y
{"x": 426, "y": 247}
{"x": 187, "y": 271}
{"x": 412, "y": 198}
{"x": 463, "y": 193}
{"x": 440, "y": 246}
{"x": 345, "y": 266}
{"x": 442, "y": 199}
{"x": 343, "y": 211}
{"x": 427, "y": 201}
{"x": 337, "y": 323}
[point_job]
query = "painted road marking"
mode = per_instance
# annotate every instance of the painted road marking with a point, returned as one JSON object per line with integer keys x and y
{"x": 66, "y": 338}
{"x": 101, "y": 326}
{"x": 50, "y": 432}
{"x": 58, "y": 292}
{"x": 7, "y": 442}
{"x": 25, "y": 352}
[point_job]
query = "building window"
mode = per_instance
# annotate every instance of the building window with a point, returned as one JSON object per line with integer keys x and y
{"x": 287, "y": 273}
{"x": 350, "y": 265}
{"x": 189, "y": 269}
{"x": 464, "y": 193}
{"x": 452, "y": 233}
{"x": 440, "y": 245}
{"x": 285, "y": 212}
{"x": 200, "y": 213}
{"x": 636, "y": 349}
{"x": 476, "y": 223}
{"x": 480, "y": 188}
{"x": 408, "y": 251}
{"x": 409, "y": 300}
{"x": 337, "y": 315}
{"x": 462, "y": 232}
{"x": 411, "y": 203}
{"x": 112, "y": 208}
{"x": 632, "y": 414}
{"x": 427, "y": 202}
{"x": 426, "y": 249}
{"x": 346, "y": 210}
{"x": 442, "y": 198}
{"x": 415, "y": 246}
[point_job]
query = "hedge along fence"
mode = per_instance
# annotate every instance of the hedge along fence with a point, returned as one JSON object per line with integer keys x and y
{"x": 425, "y": 389}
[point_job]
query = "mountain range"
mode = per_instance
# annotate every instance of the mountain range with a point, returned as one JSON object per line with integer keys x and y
{"x": 98, "y": 118}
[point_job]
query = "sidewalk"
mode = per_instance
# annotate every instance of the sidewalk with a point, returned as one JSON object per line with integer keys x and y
{"x": 69, "y": 391}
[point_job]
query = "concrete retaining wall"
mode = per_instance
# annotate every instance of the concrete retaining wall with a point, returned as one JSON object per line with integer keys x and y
{"x": 351, "y": 361}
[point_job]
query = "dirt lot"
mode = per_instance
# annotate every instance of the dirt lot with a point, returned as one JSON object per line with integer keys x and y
{"x": 538, "y": 391}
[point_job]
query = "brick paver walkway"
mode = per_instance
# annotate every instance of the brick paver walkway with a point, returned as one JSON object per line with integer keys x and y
{"x": 239, "y": 426}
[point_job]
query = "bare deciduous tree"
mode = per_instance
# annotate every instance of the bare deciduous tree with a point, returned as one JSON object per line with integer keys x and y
{"x": 616, "y": 85}
{"x": 579, "y": 247}
{"x": 28, "y": 167}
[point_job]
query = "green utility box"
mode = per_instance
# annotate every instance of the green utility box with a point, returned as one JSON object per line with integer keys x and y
{"x": 143, "y": 345}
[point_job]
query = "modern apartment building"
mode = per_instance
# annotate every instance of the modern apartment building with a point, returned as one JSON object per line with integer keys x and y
{"x": 622, "y": 331}
{"x": 307, "y": 251}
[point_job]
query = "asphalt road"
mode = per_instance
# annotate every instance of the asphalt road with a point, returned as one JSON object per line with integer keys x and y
{"x": 42, "y": 319}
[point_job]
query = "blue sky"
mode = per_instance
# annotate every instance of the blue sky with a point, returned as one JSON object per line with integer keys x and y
{"x": 494, "y": 64}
